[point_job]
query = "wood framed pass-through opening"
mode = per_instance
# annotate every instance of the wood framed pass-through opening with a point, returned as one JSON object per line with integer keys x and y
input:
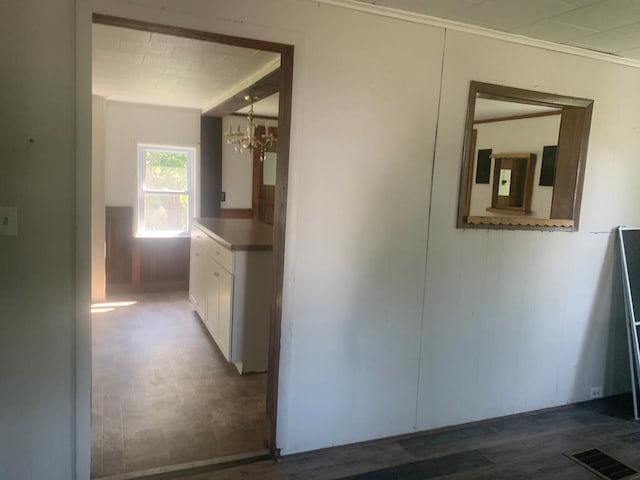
{"x": 279, "y": 190}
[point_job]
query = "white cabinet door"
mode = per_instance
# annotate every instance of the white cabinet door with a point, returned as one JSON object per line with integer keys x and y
{"x": 225, "y": 299}
{"x": 218, "y": 320}
{"x": 198, "y": 280}
{"x": 211, "y": 320}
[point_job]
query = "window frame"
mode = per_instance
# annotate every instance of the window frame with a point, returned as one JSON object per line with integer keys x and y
{"x": 191, "y": 153}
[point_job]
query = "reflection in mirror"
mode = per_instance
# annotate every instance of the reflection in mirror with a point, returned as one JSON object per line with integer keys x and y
{"x": 269, "y": 168}
{"x": 512, "y": 184}
{"x": 524, "y": 159}
{"x": 509, "y": 130}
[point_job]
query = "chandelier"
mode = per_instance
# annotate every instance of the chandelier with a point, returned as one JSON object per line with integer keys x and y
{"x": 249, "y": 140}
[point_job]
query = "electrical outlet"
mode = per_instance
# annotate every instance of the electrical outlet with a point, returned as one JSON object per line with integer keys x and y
{"x": 9, "y": 221}
{"x": 223, "y": 196}
{"x": 596, "y": 392}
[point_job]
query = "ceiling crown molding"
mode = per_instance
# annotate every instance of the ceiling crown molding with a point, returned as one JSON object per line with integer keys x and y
{"x": 476, "y": 30}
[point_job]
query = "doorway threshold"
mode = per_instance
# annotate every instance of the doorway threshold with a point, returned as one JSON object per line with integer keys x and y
{"x": 192, "y": 468}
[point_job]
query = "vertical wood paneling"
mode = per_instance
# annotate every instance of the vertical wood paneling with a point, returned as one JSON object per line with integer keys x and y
{"x": 210, "y": 166}
{"x": 41, "y": 278}
{"x": 543, "y": 299}
{"x": 119, "y": 244}
{"x": 236, "y": 213}
{"x": 330, "y": 392}
{"x": 473, "y": 259}
{"x": 355, "y": 264}
{"x": 566, "y": 178}
{"x": 142, "y": 263}
{"x": 164, "y": 260}
{"x": 488, "y": 323}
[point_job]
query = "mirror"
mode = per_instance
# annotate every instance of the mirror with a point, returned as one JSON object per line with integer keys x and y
{"x": 523, "y": 160}
{"x": 269, "y": 168}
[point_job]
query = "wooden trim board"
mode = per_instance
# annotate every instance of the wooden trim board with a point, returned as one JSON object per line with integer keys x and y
{"x": 236, "y": 213}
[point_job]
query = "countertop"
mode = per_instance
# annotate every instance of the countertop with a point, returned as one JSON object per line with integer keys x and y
{"x": 238, "y": 233}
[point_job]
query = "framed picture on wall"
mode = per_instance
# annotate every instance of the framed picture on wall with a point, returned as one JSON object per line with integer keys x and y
{"x": 483, "y": 165}
{"x": 548, "y": 169}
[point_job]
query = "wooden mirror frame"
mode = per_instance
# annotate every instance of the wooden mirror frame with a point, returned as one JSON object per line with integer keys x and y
{"x": 573, "y": 140}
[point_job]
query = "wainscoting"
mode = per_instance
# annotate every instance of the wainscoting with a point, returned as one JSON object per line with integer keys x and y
{"x": 142, "y": 264}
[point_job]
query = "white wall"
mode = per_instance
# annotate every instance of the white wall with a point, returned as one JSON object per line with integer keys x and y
{"x": 237, "y": 168}
{"x": 98, "y": 279}
{"x": 528, "y": 135}
{"x": 518, "y": 320}
{"x": 127, "y": 125}
{"x": 37, "y": 276}
{"x": 371, "y": 345}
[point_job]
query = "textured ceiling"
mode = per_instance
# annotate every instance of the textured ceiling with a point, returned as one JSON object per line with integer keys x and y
{"x": 610, "y": 26}
{"x": 268, "y": 106}
{"x": 142, "y": 67}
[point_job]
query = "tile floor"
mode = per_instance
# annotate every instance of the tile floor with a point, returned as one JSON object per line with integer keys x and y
{"x": 162, "y": 392}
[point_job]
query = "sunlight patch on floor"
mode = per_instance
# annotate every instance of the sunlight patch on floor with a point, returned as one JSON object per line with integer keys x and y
{"x": 109, "y": 306}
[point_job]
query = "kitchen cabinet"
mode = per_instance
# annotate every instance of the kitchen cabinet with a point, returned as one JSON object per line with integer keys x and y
{"x": 219, "y": 290}
{"x": 230, "y": 288}
{"x": 197, "y": 278}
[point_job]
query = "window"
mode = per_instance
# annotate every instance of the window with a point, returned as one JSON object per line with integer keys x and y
{"x": 165, "y": 190}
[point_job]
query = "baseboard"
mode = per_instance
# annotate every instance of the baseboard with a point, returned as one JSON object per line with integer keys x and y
{"x": 192, "y": 468}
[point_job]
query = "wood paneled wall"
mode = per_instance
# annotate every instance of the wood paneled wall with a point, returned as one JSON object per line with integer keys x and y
{"x": 210, "y": 166}
{"x": 142, "y": 264}
{"x": 236, "y": 213}
{"x": 119, "y": 245}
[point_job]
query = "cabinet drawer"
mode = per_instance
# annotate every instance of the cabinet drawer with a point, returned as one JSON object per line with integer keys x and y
{"x": 198, "y": 238}
{"x": 220, "y": 254}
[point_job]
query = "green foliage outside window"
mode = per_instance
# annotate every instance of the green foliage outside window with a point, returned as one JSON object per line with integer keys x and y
{"x": 165, "y": 191}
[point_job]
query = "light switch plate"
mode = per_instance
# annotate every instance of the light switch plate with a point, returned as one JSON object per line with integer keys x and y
{"x": 9, "y": 221}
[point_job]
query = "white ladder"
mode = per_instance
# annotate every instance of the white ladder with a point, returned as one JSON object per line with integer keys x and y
{"x": 633, "y": 326}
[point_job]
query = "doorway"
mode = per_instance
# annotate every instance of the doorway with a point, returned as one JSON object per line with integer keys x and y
{"x": 154, "y": 305}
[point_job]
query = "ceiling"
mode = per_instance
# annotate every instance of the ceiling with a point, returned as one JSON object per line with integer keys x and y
{"x": 143, "y": 67}
{"x": 489, "y": 108}
{"x": 609, "y": 26}
{"x": 267, "y": 107}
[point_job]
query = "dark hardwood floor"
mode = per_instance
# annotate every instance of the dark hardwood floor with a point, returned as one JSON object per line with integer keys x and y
{"x": 527, "y": 446}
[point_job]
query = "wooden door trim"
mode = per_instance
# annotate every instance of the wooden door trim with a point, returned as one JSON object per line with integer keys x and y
{"x": 472, "y": 169}
{"x": 190, "y": 33}
{"x": 279, "y": 231}
{"x": 282, "y": 170}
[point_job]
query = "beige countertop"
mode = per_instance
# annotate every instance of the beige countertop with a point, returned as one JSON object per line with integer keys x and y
{"x": 238, "y": 233}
